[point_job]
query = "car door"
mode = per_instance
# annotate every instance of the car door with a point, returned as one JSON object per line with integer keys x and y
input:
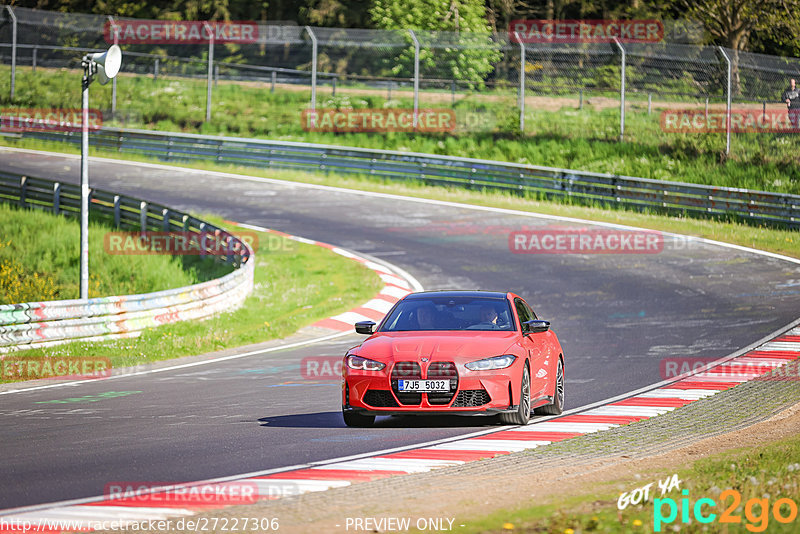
{"x": 537, "y": 351}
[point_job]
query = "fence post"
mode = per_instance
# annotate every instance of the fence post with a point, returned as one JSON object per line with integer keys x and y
{"x": 272, "y": 87}
{"x": 210, "y": 31}
{"x": 580, "y": 100}
{"x": 115, "y": 29}
{"x": 33, "y": 57}
{"x": 216, "y": 74}
{"x": 313, "y": 68}
{"x": 521, "y": 83}
{"x": 56, "y": 198}
{"x": 23, "y": 190}
{"x": 416, "y": 76}
{"x": 621, "y": 90}
{"x": 728, "y": 104}
{"x": 117, "y": 213}
{"x": 155, "y": 70}
{"x": 649, "y": 103}
{"x": 143, "y": 216}
{"x": 13, "y": 49}
{"x": 334, "y": 85}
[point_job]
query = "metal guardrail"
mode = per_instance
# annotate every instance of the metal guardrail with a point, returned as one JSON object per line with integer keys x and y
{"x": 36, "y": 324}
{"x": 551, "y": 183}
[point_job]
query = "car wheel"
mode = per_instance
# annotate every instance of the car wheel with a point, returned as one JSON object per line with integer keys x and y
{"x": 523, "y": 413}
{"x": 356, "y": 419}
{"x": 557, "y": 406}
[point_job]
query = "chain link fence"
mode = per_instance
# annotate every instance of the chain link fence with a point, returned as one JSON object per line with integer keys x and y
{"x": 491, "y": 83}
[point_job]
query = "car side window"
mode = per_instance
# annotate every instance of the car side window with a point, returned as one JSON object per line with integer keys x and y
{"x": 530, "y": 311}
{"x": 523, "y": 312}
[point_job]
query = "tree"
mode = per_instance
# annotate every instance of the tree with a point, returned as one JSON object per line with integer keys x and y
{"x": 731, "y": 23}
{"x": 455, "y": 38}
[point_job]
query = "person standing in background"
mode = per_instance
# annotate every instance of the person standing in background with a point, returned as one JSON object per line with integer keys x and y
{"x": 792, "y": 98}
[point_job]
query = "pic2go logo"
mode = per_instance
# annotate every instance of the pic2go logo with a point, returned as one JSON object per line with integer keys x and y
{"x": 756, "y": 511}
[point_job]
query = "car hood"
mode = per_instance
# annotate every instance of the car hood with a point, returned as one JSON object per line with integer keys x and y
{"x": 451, "y": 346}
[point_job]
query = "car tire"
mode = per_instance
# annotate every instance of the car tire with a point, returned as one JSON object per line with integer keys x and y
{"x": 557, "y": 406}
{"x": 523, "y": 413}
{"x": 356, "y": 419}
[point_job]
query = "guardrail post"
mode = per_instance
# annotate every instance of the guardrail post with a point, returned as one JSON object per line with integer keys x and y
{"x": 621, "y": 90}
{"x": 165, "y": 219}
{"x": 522, "y": 83}
{"x": 416, "y": 76}
{"x": 728, "y": 105}
{"x": 34, "y": 53}
{"x": 116, "y": 211}
{"x": 13, "y": 49}
{"x": 155, "y": 69}
{"x": 115, "y": 28}
{"x": 143, "y": 216}
{"x": 333, "y": 83}
{"x": 272, "y": 87}
{"x": 23, "y": 190}
{"x": 203, "y": 239}
{"x": 56, "y": 198}
{"x": 313, "y": 68}
{"x": 185, "y": 223}
{"x": 210, "y": 31}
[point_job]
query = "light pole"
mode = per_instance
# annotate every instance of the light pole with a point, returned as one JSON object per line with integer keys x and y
{"x": 104, "y": 66}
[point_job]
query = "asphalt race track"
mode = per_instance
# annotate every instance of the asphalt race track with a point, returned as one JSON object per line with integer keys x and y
{"x": 617, "y": 315}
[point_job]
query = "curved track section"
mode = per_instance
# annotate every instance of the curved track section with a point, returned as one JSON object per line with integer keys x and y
{"x": 617, "y": 315}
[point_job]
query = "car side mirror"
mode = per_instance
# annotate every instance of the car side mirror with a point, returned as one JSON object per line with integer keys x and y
{"x": 535, "y": 326}
{"x": 365, "y": 327}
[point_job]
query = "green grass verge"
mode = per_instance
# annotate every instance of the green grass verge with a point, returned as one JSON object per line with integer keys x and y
{"x": 765, "y": 473}
{"x": 295, "y": 285}
{"x": 39, "y": 260}
{"x": 776, "y": 240}
{"x": 584, "y": 139}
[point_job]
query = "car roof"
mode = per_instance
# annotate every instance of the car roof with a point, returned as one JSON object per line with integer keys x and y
{"x": 458, "y": 293}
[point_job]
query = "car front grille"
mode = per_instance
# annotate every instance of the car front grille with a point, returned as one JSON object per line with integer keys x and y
{"x": 471, "y": 397}
{"x": 446, "y": 371}
{"x": 380, "y": 398}
{"x": 406, "y": 370}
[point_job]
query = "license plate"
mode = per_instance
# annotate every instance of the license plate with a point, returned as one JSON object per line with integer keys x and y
{"x": 423, "y": 385}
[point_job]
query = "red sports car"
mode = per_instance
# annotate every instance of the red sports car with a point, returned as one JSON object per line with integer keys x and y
{"x": 455, "y": 352}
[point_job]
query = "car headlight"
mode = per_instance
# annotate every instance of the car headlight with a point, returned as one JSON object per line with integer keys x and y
{"x": 364, "y": 364}
{"x": 488, "y": 364}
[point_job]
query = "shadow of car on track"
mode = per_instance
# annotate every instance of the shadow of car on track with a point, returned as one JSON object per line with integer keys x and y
{"x": 334, "y": 420}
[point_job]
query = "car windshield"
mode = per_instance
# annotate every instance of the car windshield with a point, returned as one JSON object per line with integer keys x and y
{"x": 450, "y": 313}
